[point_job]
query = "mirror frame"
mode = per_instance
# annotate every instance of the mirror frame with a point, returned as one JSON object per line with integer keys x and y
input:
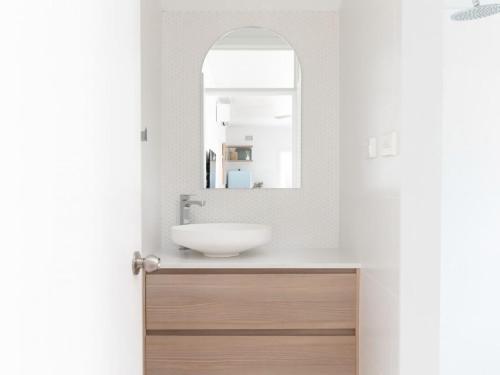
{"x": 297, "y": 114}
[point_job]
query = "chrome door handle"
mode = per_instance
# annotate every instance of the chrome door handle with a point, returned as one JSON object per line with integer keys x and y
{"x": 151, "y": 263}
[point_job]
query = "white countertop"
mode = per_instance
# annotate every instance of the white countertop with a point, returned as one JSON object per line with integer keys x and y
{"x": 261, "y": 258}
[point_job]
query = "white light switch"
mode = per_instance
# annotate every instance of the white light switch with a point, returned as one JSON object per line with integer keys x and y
{"x": 389, "y": 144}
{"x": 372, "y": 148}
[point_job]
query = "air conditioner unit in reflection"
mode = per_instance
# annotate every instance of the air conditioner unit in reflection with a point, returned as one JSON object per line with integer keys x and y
{"x": 223, "y": 112}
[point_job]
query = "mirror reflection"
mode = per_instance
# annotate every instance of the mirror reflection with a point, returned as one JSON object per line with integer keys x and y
{"x": 251, "y": 120}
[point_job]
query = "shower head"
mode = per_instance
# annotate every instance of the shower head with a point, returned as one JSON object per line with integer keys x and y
{"x": 476, "y": 12}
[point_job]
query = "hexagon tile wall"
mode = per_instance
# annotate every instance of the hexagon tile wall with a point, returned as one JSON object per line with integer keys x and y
{"x": 301, "y": 218}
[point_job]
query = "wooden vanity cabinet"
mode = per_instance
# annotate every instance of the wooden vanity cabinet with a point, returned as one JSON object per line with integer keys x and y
{"x": 251, "y": 321}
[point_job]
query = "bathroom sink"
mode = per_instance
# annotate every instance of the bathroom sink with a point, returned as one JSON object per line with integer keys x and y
{"x": 221, "y": 240}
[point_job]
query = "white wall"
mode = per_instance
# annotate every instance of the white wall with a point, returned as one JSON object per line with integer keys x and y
{"x": 421, "y": 126}
{"x": 70, "y": 191}
{"x": 471, "y": 199}
{"x": 187, "y": 36}
{"x": 370, "y": 92}
{"x": 151, "y": 18}
{"x": 392, "y": 79}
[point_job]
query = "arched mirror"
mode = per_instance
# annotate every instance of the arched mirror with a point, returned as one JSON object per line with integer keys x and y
{"x": 251, "y": 112}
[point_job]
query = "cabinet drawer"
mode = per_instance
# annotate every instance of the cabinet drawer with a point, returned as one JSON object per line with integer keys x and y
{"x": 251, "y": 301}
{"x": 250, "y": 355}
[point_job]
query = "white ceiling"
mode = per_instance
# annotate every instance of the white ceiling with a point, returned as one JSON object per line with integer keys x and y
{"x": 261, "y": 111}
{"x": 250, "y": 5}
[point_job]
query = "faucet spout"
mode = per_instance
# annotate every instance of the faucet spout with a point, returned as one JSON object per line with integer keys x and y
{"x": 184, "y": 208}
{"x": 195, "y": 203}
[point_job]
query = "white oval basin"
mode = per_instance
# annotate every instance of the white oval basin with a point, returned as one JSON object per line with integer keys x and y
{"x": 221, "y": 239}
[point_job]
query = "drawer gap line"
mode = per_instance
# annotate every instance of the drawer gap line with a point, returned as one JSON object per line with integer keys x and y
{"x": 253, "y": 332}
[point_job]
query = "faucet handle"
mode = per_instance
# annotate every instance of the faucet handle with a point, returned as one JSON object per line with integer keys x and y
{"x": 186, "y": 197}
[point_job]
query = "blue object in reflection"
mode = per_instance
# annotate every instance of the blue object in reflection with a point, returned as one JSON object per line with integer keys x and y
{"x": 239, "y": 179}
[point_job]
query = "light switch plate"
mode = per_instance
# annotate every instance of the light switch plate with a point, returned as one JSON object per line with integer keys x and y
{"x": 389, "y": 144}
{"x": 372, "y": 148}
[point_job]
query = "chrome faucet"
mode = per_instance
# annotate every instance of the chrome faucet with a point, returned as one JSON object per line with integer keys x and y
{"x": 185, "y": 208}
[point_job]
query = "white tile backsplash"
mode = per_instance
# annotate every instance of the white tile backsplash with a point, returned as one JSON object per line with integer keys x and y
{"x": 306, "y": 217}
